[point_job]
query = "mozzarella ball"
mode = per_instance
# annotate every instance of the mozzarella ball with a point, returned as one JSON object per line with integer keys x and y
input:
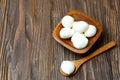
{"x": 67, "y": 21}
{"x": 67, "y": 67}
{"x": 74, "y": 37}
{"x": 91, "y": 31}
{"x": 80, "y": 26}
{"x": 79, "y": 41}
{"x": 66, "y": 33}
{"x": 82, "y": 34}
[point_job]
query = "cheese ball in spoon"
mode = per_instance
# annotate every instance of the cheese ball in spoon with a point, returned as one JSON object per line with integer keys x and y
{"x": 67, "y": 67}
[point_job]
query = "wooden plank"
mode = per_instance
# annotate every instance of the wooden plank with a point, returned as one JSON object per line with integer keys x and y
{"x": 29, "y": 52}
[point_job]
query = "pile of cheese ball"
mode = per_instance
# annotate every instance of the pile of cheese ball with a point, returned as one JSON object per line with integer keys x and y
{"x": 78, "y": 31}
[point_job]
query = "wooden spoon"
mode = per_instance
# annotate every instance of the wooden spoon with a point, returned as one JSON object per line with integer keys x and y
{"x": 78, "y": 63}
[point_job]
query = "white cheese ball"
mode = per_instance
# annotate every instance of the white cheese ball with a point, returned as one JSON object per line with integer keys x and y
{"x": 79, "y": 41}
{"x": 74, "y": 37}
{"x": 67, "y": 21}
{"x": 91, "y": 31}
{"x": 80, "y": 26}
{"x": 67, "y": 67}
{"x": 66, "y": 33}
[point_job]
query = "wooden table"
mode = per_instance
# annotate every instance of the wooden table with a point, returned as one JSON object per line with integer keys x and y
{"x": 29, "y": 52}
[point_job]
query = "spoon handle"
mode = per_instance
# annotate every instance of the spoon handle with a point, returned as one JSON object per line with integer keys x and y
{"x": 99, "y": 51}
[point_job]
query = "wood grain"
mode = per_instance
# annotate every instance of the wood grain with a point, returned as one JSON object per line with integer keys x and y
{"x": 28, "y": 51}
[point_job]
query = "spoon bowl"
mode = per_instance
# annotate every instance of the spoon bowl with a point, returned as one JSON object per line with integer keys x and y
{"x": 78, "y": 63}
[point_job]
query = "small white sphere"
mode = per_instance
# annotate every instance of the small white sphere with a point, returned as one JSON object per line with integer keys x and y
{"x": 75, "y": 35}
{"x": 67, "y": 21}
{"x": 79, "y": 41}
{"x": 80, "y": 26}
{"x": 91, "y": 31}
{"x": 67, "y": 67}
{"x": 66, "y": 33}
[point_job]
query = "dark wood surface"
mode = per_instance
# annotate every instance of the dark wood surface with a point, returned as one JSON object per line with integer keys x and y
{"x": 29, "y": 52}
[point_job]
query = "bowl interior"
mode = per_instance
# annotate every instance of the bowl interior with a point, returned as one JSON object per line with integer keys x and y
{"x": 78, "y": 16}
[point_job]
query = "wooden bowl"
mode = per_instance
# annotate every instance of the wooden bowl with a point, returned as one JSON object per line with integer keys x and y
{"x": 78, "y": 16}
